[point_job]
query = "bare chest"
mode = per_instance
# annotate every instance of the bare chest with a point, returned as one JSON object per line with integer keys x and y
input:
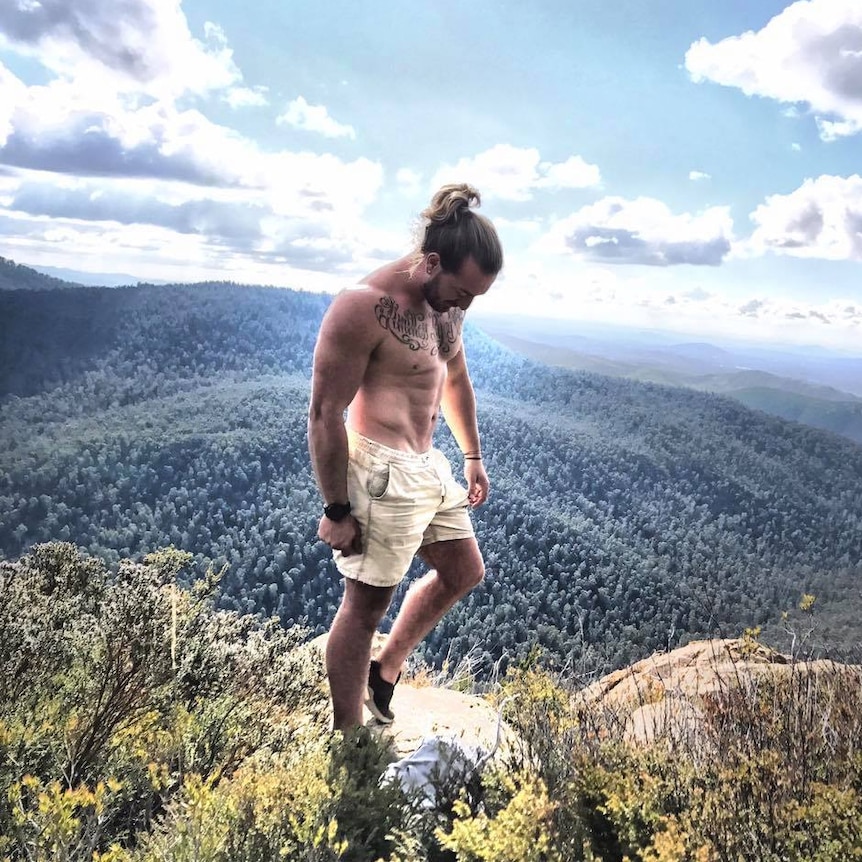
{"x": 421, "y": 341}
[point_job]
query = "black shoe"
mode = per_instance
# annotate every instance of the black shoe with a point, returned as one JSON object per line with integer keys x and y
{"x": 380, "y": 694}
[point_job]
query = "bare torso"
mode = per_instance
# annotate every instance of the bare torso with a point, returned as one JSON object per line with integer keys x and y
{"x": 390, "y": 354}
{"x": 398, "y": 400}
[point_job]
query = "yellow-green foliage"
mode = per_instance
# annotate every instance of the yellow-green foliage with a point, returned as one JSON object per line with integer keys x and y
{"x": 50, "y": 821}
{"x": 519, "y": 832}
{"x": 267, "y": 810}
{"x": 774, "y": 773}
{"x": 321, "y": 801}
{"x": 140, "y": 724}
{"x": 118, "y": 693}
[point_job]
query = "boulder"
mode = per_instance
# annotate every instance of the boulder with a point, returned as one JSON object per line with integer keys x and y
{"x": 423, "y": 710}
{"x": 665, "y": 695}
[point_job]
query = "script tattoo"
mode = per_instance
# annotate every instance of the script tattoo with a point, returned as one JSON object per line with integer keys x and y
{"x": 413, "y": 328}
{"x": 410, "y": 327}
{"x": 448, "y": 328}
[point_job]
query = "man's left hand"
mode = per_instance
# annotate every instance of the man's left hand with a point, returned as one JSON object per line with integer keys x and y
{"x": 477, "y": 482}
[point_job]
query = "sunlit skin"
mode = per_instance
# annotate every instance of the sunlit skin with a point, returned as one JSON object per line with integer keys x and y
{"x": 444, "y": 290}
{"x": 393, "y": 374}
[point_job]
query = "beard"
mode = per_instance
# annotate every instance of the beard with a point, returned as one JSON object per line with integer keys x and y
{"x": 431, "y": 292}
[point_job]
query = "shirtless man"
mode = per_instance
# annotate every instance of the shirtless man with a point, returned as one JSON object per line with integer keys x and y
{"x": 389, "y": 353}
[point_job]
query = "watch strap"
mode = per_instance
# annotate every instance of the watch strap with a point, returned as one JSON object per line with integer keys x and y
{"x": 337, "y": 511}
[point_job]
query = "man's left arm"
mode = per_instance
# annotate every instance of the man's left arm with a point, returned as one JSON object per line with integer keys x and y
{"x": 458, "y": 403}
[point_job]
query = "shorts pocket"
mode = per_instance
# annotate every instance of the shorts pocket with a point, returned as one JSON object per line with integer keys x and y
{"x": 377, "y": 483}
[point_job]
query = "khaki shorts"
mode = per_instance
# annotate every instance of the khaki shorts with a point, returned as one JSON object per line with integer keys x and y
{"x": 402, "y": 501}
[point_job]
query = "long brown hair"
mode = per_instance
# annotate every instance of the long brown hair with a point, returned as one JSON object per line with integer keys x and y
{"x": 453, "y": 229}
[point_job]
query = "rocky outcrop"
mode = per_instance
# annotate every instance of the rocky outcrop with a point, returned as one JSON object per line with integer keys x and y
{"x": 669, "y": 695}
{"x": 666, "y": 694}
{"x": 423, "y": 710}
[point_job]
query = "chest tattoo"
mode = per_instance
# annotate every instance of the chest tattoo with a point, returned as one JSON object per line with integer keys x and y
{"x": 436, "y": 333}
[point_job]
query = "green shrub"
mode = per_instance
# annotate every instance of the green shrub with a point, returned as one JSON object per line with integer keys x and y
{"x": 140, "y": 724}
{"x": 520, "y": 831}
{"x": 133, "y": 684}
{"x": 773, "y": 773}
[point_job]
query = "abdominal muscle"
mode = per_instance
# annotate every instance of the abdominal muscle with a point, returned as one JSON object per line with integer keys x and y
{"x": 399, "y": 410}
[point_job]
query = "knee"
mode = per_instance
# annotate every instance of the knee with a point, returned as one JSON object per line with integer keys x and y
{"x": 365, "y": 623}
{"x": 362, "y": 617}
{"x": 476, "y": 576}
{"x": 464, "y": 579}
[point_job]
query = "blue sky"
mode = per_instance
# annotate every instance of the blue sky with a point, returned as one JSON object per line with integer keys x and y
{"x": 678, "y": 164}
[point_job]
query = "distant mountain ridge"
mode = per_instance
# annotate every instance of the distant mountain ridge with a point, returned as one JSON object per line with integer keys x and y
{"x": 623, "y": 514}
{"x": 94, "y": 279}
{"x": 704, "y": 367}
{"x": 16, "y": 276}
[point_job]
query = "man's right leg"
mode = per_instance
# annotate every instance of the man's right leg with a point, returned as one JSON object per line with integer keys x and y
{"x": 457, "y": 568}
{"x": 348, "y": 649}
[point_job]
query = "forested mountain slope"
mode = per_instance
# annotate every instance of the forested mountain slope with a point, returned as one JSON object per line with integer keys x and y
{"x": 622, "y": 515}
{"x": 814, "y": 404}
{"x": 15, "y": 276}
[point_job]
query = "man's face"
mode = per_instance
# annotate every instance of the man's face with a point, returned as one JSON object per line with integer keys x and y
{"x": 445, "y": 290}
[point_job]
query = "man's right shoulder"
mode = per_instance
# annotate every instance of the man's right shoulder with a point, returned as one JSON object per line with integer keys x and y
{"x": 354, "y": 309}
{"x": 357, "y": 301}
{"x": 356, "y": 290}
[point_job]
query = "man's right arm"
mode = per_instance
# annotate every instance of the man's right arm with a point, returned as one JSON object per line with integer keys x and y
{"x": 341, "y": 357}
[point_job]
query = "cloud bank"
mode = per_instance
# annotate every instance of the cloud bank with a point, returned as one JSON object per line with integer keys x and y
{"x": 820, "y": 219}
{"x": 517, "y": 173}
{"x": 145, "y": 45}
{"x": 642, "y": 231}
{"x": 117, "y": 139}
{"x": 809, "y": 54}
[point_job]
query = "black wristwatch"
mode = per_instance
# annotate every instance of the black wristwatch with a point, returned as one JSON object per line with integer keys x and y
{"x": 337, "y": 511}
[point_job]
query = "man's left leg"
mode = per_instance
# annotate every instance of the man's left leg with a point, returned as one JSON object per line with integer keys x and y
{"x": 457, "y": 567}
{"x": 348, "y": 648}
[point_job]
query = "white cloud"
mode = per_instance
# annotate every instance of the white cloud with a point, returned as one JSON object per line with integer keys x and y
{"x": 574, "y": 173}
{"x": 109, "y": 106}
{"x": 308, "y": 220}
{"x": 409, "y": 181}
{"x": 142, "y": 46}
{"x": 314, "y": 118}
{"x": 292, "y": 197}
{"x": 751, "y": 308}
{"x": 12, "y": 92}
{"x": 762, "y": 316}
{"x": 153, "y": 253}
{"x": 247, "y": 97}
{"x": 64, "y": 129}
{"x": 178, "y": 171}
{"x": 105, "y": 149}
{"x": 642, "y": 231}
{"x": 695, "y": 176}
{"x": 586, "y": 291}
{"x": 514, "y": 173}
{"x": 810, "y": 53}
{"x": 820, "y": 219}
{"x": 831, "y": 130}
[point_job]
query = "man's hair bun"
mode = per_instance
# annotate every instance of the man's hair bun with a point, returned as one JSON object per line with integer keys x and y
{"x": 450, "y": 202}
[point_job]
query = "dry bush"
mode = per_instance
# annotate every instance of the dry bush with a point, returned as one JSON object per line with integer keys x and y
{"x": 764, "y": 766}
